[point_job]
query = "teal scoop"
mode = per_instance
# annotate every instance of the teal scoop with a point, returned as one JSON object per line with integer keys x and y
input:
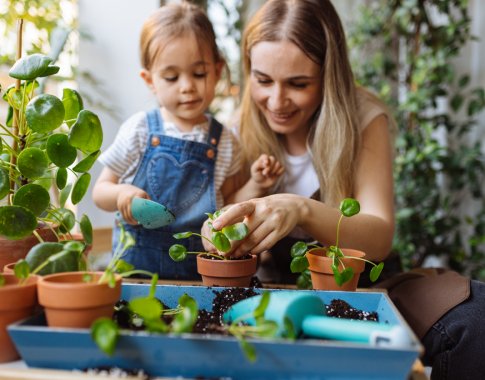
{"x": 308, "y": 315}
{"x": 151, "y": 214}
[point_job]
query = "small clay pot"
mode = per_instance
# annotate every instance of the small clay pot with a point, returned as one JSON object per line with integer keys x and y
{"x": 17, "y": 302}
{"x": 232, "y": 273}
{"x": 69, "y": 301}
{"x": 321, "y": 269}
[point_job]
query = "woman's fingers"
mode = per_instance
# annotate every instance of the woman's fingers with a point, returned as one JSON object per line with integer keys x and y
{"x": 234, "y": 214}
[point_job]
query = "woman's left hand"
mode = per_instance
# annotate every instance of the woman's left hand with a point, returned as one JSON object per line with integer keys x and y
{"x": 268, "y": 219}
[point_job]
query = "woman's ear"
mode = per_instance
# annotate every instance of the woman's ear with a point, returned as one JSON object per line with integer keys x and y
{"x": 147, "y": 78}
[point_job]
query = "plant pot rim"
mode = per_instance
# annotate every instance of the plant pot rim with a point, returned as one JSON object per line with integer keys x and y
{"x": 54, "y": 280}
{"x": 322, "y": 263}
{"x": 221, "y": 268}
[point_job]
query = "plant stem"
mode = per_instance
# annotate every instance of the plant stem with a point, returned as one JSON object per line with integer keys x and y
{"x": 338, "y": 229}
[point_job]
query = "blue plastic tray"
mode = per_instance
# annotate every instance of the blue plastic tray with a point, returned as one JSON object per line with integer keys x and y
{"x": 194, "y": 355}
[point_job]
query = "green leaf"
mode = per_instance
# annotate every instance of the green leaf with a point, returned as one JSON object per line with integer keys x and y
{"x": 248, "y": 350}
{"x": 50, "y": 70}
{"x": 183, "y": 235}
{"x": 30, "y": 67}
{"x": 4, "y": 183}
{"x": 236, "y": 231}
{"x": 299, "y": 264}
{"x": 262, "y": 306}
{"x": 86, "y": 229}
{"x": 73, "y": 104}
{"x": 185, "y": 320}
{"x": 375, "y": 272}
{"x": 298, "y": 249}
{"x": 349, "y": 207}
{"x": 87, "y": 162}
{"x": 2, "y": 280}
{"x": 105, "y": 333}
{"x": 33, "y": 197}
{"x": 21, "y": 269}
{"x": 66, "y": 218}
{"x": 304, "y": 280}
{"x": 16, "y": 222}
{"x": 64, "y": 195}
{"x": 32, "y": 163}
{"x": 122, "y": 266}
{"x": 290, "y": 332}
{"x": 59, "y": 151}
{"x": 146, "y": 307}
{"x": 177, "y": 252}
{"x": 221, "y": 242}
{"x": 61, "y": 178}
{"x": 80, "y": 188}
{"x": 44, "y": 113}
{"x": 86, "y": 133}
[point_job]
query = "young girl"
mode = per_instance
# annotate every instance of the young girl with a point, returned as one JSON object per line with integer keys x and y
{"x": 176, "y": 154}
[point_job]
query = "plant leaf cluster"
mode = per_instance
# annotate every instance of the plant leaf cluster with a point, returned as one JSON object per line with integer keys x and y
{"x": 299, "y": 262}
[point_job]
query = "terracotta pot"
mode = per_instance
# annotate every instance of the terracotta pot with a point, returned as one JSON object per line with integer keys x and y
{"x": 70, "y": 302}
{"x": 14, "y": 250}
{"x": 16, "y": 303}
{"x": 321, "y": 269}
{"x": 235, "y": 273}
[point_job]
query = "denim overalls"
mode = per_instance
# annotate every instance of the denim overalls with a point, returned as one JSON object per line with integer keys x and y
{"x": 180, "y": 175}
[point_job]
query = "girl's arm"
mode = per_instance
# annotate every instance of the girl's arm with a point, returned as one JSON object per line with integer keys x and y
{"x": 271, "y": 218}
{"x": 110, "y": 195}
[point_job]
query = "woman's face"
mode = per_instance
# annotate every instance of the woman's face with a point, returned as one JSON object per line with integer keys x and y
{"x": 286, "y": 86}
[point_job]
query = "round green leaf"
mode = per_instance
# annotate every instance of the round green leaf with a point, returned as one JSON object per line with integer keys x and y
{"x": 221, "y": 242}
{"x": 59, "y": 151}
{"x": 298, "y": 249}
{"x": 185, "y": 320}
{"x": 32, "y": 163}
{"x": 80, "y": 188}
{"x": 16, "y": 222}
{"x": 73, "y": 104}
{"x": 87, "y": 162}
{"x": 44, "y": 113}
{"x": 86, "y": 229}
{"x": 66, "y": 219}
{"x": 50, "y": 70}
{"x": 61, "y": 178}
{"x": 30, "y": 67}
{"x": 21, "y": 269}
{"x": 33, "y": 197}
{"x": 41, "y": 252}
{"x": 64, "y": 195}
{"x": 236, "y": 231}
{"x": 177, "y": 252}
{"x": 105, "y": 333}
{"x": 183, "y": 235}
{"x": 86, "y": 133}
{"x": 349, "y": 207}
{"x": 4, "y": 183}
{"x": 299, "y": 264}
{"x": 375, "y": 272}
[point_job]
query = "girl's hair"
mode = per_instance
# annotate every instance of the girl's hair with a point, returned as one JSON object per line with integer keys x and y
{"x": 313, "y": 26}
{"x": 171, "y": 21}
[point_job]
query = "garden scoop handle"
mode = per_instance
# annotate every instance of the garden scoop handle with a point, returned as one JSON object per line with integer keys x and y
{"x": 370, "y": 332}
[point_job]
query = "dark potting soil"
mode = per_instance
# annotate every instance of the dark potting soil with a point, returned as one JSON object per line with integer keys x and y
{"x": 341, "y": 309}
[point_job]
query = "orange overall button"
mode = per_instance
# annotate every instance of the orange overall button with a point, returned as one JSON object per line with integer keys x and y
{"x": 155, "y": 141}
{"x": 210, "y": 153}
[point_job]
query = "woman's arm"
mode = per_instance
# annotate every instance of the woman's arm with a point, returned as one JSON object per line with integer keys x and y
{"x": 271, "y": 218}
{"x": 110, "y": 195}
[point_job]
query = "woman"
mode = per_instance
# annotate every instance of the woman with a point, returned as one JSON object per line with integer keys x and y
{"x": 302, "y": 106}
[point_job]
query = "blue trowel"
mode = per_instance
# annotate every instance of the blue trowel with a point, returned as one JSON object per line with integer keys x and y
{"x": 308, "y": 315}
{"x": 151, "y": 214}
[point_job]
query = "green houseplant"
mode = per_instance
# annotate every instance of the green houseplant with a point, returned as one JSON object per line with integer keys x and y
{"x": 216, "y": 269}
{"x": 330, "y": 266}
{"x": 41, "y": 141}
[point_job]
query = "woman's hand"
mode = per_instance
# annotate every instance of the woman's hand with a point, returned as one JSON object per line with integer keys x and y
{"x": 126, "y": 193}
{"x": 269, "y": 219}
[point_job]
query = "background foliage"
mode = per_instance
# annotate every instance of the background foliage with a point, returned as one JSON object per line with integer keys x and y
{"x": 405, "y": 52}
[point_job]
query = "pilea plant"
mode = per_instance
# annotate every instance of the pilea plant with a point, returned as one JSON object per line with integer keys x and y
{"x": 221, "y": 239}
{"x": 40, "y": 142}
{"x": 299, "y": 263}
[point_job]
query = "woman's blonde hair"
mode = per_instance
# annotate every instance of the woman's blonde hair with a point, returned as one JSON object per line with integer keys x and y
{"x": 171, "y": 21}
{"x": 313, "y": 26}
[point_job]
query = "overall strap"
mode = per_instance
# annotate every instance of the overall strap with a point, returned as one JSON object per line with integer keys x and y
{"x": 155, "y": 121}
{"x": 215, "y": 130}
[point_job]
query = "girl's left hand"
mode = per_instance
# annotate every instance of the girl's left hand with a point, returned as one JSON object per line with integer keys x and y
{"x": 269, "y": 219}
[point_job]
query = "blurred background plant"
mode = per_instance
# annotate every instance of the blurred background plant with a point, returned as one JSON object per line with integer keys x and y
{"x": 406, "y": 51}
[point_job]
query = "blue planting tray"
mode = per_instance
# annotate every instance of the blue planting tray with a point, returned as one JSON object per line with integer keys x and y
{"x": 212, "y": 356}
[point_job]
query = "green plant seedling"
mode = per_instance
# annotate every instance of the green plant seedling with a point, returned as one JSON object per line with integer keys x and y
{"x": 221, "y": 239}
{"x": 299, "y": 262}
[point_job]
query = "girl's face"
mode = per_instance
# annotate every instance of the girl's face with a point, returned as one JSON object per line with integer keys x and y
{"x": 183, "y": 78}
{"x": 286, "y": 86}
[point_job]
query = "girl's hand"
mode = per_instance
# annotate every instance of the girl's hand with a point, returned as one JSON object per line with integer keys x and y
{"x": 269, "y": 219}
{"x": 123, "y": 202}
{"x": 265, "y": 171}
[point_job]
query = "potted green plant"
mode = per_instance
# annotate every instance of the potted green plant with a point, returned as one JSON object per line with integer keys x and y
{"x": 216, "y": 269}
{"x": 332, "y": 268}
{"x": 77, "y": 299}
{"x": 48, "y": 145}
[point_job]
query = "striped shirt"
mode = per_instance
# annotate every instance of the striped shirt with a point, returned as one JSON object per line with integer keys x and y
{"x": 125, "y": 153}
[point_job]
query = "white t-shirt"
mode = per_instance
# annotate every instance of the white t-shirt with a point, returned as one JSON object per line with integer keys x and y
{"x": 125, "y": 153}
